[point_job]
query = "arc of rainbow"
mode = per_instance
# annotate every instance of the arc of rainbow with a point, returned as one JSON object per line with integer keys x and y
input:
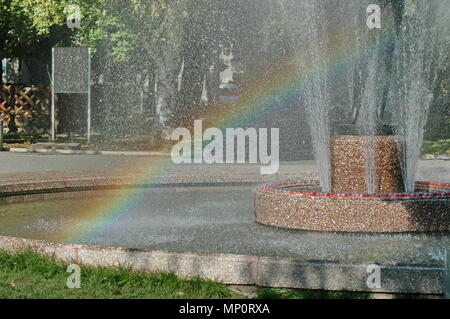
{"x": 282, "y": 84}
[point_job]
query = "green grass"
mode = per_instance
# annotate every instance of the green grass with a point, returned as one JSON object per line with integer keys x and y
{"x": 28, "y": 275}
{"x": 436, "y": 147}
{"x": 23, "y": 138}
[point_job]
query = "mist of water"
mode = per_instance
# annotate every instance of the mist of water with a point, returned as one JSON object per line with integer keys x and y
{"x": 310, "y": 44}
{"x": 345, "y": 66}
{"x": 420, "y": 50}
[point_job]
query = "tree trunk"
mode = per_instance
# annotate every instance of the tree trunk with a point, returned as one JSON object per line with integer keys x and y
{"x": 191, "y": 88}
{"x": 167, "y": 67}
{"x": 213, "y": 82}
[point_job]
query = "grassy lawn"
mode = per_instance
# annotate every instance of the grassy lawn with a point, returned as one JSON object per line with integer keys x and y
{"x": 29, "y": 275}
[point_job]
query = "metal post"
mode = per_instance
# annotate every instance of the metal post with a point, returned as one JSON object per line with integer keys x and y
{"x": 447, "y": 274}
{"x": 89, "y": 100}
{"x": 52, "y": 115}
{"x": 1, "y": 135}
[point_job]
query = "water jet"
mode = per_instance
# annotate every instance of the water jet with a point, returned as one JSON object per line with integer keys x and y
{"x": 367, "y": 179}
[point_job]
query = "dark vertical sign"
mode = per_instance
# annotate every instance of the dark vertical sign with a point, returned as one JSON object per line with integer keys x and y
{"x": 71, "y": 73}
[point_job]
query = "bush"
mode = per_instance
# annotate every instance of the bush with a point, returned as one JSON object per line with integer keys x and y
{"x": 436, "y": 147}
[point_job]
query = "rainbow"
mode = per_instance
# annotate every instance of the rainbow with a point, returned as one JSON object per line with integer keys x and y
{"x": 282, "y": 85}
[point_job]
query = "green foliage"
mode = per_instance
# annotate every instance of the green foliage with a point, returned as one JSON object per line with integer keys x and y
{"x": 130, "y": 25}
{"x": 437, "y": 147}
{"x": 438, "y": 126}
{"x": 31, "y": 27}
{"x": 258, "y": 35}
{"x": 92, "y": 31}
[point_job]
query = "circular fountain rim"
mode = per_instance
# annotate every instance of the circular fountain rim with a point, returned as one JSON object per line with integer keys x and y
{"x": 283, "y": 187}
{"x": 277, "y": 205}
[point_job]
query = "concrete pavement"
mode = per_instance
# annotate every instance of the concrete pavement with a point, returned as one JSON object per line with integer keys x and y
{"x": 430, "y": 170}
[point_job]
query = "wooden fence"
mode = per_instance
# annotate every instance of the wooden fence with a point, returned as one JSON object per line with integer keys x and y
{"x": 25, "y": 109}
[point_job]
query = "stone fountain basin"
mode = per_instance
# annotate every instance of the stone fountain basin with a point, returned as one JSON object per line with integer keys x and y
{"x": 301, "y": 205}
{"x": 207, "y": 231}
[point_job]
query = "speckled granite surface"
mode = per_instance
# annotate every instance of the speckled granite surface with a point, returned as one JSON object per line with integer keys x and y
{"x": 296, "y": 206}
{"x": 349, "y": 164}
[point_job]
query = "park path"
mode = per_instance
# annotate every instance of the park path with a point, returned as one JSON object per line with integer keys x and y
{"x": 10, "y": 163}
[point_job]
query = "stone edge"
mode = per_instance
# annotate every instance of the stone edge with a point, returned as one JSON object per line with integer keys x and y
{"x": 241, "y": 269}
{"x": 59, "y": 181}
{"x": 443, "y": 157}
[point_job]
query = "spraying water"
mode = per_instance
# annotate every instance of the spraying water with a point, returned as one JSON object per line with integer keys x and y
{"x": 310, "y": 46}
{"x": 347, "y": 66}
{"x": 421, "y": 47}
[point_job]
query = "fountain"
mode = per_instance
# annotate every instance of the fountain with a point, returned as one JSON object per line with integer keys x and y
{"x": 368, "y": 160}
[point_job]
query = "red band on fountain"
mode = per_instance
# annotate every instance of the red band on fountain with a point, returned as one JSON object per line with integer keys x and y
{"x": 283, "y": 187}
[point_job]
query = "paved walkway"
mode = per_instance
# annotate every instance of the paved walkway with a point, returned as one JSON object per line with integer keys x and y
{"x": 431, "y": 170}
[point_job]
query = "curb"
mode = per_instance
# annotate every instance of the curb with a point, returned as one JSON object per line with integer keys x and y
{"x": 81, "y": 152}
{"x": 445, "y": 157}
{"x": 241, "y": 269}
{"x": 42, "y": 183}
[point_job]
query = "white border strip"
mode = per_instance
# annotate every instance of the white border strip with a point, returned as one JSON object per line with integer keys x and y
{"x": 81, "y": 152}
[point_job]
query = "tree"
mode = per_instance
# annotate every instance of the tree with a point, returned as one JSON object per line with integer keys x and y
{"x": 157, "y": 38}
{"x": 32, "y": 27}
